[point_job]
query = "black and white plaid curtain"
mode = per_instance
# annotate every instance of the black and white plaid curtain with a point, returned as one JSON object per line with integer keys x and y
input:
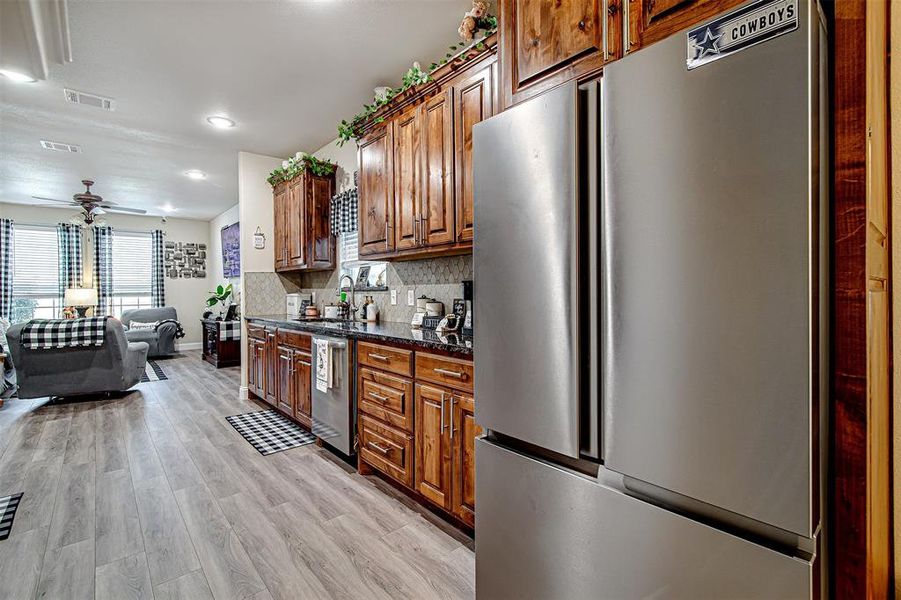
{"x": 157, "y": 276}
{"x": 70, "y": 262}
{"x": 6, "y": 268}
{"x": 344, "y": 212}
{"x": 103, "y": 269}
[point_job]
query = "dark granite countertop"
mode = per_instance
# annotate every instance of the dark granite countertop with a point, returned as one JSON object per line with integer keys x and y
{"x": 375, "y": 332}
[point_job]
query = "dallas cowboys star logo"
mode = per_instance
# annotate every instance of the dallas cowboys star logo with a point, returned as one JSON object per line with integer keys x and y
{"x": 707, "y": 45}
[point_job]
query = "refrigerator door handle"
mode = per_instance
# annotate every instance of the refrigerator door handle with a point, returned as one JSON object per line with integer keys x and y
{"x": 591, "y": 309}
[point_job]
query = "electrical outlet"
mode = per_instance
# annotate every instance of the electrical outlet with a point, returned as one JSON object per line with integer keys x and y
{"x": 411, "y": 298}
{"x": 313, "y": 297}
{"x": 393, "y": 297}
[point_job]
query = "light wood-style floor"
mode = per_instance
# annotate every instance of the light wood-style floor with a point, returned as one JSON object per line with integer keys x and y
{"x": 155, "y": 495}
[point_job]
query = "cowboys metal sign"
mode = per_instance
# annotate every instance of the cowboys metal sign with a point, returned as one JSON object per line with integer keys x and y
{"x": 740, "y": 29}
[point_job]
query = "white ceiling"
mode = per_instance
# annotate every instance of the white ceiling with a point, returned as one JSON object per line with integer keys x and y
{"x": 286, "y": 71}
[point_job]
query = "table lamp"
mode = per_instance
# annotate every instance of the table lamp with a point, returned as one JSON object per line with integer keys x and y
{"x": 81, "y": 299}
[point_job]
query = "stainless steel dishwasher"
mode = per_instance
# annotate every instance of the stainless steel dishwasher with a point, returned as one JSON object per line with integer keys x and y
{"x": 335, "y": 407}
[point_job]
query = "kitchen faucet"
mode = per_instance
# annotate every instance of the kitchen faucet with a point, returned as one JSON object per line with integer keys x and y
{"x": 352, "y": 310}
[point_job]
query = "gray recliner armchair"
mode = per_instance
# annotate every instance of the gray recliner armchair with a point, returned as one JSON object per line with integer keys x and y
{"x": 162, "y": 339}
{"x": 113, "y": 367}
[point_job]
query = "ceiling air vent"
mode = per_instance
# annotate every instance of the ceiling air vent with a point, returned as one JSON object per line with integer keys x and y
{"x": 60, "y": 147}
{"x": 76, "y": 97}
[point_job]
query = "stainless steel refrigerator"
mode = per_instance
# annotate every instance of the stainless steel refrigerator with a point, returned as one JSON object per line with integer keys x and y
{"x": 651, "y": 336}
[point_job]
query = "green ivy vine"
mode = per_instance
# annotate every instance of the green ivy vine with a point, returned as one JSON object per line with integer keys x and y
{"x": 298, "y": 164}
{"x": 352, "y": 129}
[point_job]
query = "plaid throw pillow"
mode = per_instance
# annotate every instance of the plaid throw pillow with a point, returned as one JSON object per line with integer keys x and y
{"x": 142, "y": 325}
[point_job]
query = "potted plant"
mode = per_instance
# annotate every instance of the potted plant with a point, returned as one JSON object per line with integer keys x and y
{"x": 220, "y": 296}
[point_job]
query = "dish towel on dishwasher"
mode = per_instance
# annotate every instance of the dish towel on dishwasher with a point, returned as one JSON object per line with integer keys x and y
{"x": 323, "y": 365}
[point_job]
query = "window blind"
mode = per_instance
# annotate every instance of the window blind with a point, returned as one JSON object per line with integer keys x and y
{"x": 35, "y": 262}
{"x": 349, "y": 253}
{"x": 132, "y": 252}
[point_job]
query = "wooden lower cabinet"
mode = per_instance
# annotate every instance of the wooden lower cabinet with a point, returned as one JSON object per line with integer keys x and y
{"x": 302, "y": 391}
{"x": 464, "y": 431}
{"x": 279, "y": 371}
{"x": 433, "y": 444}
{"x": 285, "y": 394}
{"x": 420, "y": 432}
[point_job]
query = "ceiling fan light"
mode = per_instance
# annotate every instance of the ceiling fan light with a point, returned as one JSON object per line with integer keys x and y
{"x": 220, "y": 122}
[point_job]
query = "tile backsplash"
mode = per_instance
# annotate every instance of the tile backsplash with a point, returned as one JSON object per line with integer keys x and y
{"x": 438, "y": 278}
{"x": 264, "y": 293}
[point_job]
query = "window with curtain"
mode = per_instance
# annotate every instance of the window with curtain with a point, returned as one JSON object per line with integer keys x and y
{"x": 132, "y": 268}
{"x": 35, "y": 266}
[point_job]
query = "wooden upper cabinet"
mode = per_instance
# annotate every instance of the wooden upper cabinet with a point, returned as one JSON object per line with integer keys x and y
{"x": 319, "y": 231}
{"x": 303, "y": 238}
{"x": 279, "y": 209}
{"x": 294, "y": 224}
{"x": 376, "y": 191}
{"x": 545, "y": 43}
{"x": 473, "y": 102}
{"x": 407, "y": 185}
{"x": 437, "y": 217}
{"x": 653, "y": 20}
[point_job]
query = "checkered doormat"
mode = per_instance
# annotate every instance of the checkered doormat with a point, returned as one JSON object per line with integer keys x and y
{"x": 8, "y": 507}
{"x": 270, "y": 432}
{"x": 153, "y": 372}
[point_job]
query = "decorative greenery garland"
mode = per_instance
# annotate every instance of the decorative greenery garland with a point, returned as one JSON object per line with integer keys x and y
{"x": 352, "y": 129}
{"x": 299, "y": 163}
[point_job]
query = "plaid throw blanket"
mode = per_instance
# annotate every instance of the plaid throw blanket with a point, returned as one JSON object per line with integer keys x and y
{"x": 45, "y": 334}
{"x": 179, "y": 331}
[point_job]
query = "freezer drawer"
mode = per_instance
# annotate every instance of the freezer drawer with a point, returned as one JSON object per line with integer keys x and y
{"x": 546, "y": 533}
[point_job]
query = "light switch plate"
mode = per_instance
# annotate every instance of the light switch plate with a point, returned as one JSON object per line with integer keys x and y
{"x": 411, "y": 298}
{"x": 393, "y": 297}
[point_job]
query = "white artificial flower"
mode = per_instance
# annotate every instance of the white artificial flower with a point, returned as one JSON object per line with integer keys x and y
{"x": 284, "y": 164}
{"x": 297, "y": 156}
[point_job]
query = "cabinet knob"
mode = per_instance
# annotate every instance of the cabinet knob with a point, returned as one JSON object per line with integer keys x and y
{"x": 612, "y": 8}
{"x": 582, "y": 24}
{"x": 534, "y": 42}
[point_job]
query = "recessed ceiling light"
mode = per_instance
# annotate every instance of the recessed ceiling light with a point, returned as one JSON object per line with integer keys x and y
{"x": 220, "y": 122}
{"x": 17, "y": 77}
{"x": 168, "y": 208}
{"x": 195, "y": 174}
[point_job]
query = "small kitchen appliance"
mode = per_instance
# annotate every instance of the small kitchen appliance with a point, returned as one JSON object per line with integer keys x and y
{"x": 296, "y": 304}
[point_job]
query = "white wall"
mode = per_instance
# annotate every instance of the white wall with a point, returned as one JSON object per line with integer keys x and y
{"x": 214, "y": 264}
{"x": 254, "y": 210}
{"x": 188, "y": 296}
{"x": 345, "y": 157}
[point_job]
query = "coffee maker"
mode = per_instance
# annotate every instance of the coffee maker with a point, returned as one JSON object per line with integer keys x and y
{"x": 467, "y": 300}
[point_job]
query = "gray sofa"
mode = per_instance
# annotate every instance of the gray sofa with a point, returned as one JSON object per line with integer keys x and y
{"x": 161, "y": 340}
{"x": 113, "y": 367}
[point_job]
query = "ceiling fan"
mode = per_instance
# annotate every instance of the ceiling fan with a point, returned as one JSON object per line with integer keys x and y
{"x": 92, "y": 205}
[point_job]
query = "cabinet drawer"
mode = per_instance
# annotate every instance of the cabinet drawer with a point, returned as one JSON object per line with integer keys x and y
{"x": 451, "y": 372}
{"x": 295, "y": 339}
{"x": 386, "y": 397}
{"x": 256, "y": 332}
{"x": 385, "y": 358}
{"x": 387, "y": 449}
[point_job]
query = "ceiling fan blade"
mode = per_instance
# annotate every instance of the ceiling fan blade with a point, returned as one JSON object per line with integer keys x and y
{"x": 55, "y": 200}
{"x": 136, "y": 211}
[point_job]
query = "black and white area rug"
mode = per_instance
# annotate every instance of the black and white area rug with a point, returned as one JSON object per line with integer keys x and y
{"x": 8, "y": 507}
{"x": 153, "y": 372}
{"x": 270, "y": 432}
